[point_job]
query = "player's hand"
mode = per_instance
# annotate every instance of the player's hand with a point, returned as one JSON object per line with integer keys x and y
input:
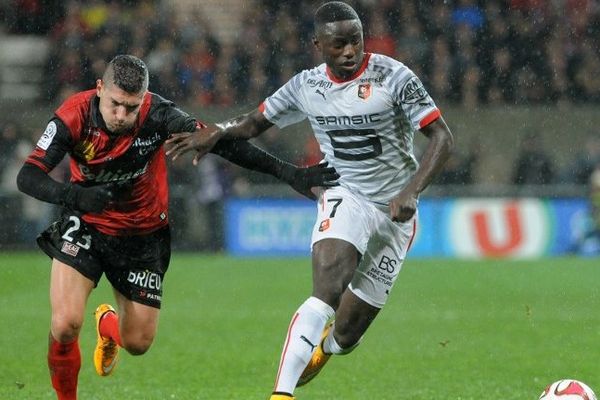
{"x": 404, "y": 205}
{"x": 91, "y": 199}
{"x": 303, "y": 179}
{"x": 202, "y": 141}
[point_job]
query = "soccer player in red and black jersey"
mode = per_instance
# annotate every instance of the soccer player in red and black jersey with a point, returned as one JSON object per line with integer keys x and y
{"x": 115, "y": 218}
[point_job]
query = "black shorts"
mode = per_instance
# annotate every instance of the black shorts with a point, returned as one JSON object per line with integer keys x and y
{"x": 134, "y": 265}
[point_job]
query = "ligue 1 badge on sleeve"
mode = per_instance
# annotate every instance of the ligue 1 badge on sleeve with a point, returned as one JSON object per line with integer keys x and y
{"x": 364, "y": 91}
{"x": 413, "y": 91}
{"x": 46, "y": 138}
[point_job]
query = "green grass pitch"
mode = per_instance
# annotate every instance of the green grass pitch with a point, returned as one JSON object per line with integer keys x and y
{"x": 451, "y": 330}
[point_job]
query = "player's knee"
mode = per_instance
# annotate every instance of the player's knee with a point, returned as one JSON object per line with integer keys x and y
{"x": 65, "y": 328}
{"x": 329, "y": 296}
{"x": 331, "y": 282}
{"x": 138, "y": 345}
{"x": 137, "y": 349}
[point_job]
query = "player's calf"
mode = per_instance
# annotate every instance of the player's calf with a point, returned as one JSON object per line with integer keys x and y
{"x": 326, "y": 348}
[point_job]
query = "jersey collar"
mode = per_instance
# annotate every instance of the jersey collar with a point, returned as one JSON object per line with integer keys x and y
{"x": 95, "y": 116}
{"x": 354, "y": 75}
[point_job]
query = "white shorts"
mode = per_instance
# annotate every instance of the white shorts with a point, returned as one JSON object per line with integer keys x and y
{"x": 382, "y": 242}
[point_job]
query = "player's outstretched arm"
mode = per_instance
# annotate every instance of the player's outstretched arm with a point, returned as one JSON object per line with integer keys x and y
{"x": 201, "y": 141}
{"x": 247, "y": 155}
{"x": 441, "y": 141}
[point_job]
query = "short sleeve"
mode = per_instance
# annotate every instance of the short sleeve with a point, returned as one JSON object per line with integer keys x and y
{"x": 52, "y": 146}
{"x": 411, "y": 95}
{"x": 284, "y": 107}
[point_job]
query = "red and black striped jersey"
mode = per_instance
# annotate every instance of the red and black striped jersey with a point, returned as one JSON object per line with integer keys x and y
{"x": 136, "y": 159}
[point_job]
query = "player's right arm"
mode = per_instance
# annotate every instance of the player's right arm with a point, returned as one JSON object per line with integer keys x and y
{"x": 285, "y": 110}
{"x": 245, "y": 126}
{"x": 33, "y": 178}
{"x": 238, "y": 150}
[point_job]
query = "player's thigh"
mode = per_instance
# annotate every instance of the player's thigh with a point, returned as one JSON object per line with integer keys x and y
{"x": 72, "y": 241}
{"x": 136, "y": 265}
{"x": 334, "y": 262}
{"x": 340, "y": 235}
{"x": 344, "y": 216}
{"x": 382, "y": 262}
{"x": 69, "y": 291}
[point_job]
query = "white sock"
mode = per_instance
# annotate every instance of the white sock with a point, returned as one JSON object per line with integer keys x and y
{"x": 301, "y": 341}
{"x": 331, "y": 346}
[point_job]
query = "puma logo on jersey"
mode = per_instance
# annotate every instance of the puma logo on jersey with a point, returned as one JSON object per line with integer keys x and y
{"x": 321, "y": 93}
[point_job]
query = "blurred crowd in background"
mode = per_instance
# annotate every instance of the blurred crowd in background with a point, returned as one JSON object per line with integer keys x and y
{"x": 466, "y": 51}
{"x": 469, "y": 53}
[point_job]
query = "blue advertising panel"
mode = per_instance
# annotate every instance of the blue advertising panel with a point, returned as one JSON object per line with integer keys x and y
{"x": 463, "y": 228}
{"x": 571, "y": 223}
{"x": 431, "y": 230}
{"x": 269, "y": 227}
{"x": 274, "y": 227}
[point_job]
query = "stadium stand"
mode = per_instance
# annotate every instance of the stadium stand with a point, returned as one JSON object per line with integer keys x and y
{"x": 22, "y": 67}
{"x": 497, "y": 68}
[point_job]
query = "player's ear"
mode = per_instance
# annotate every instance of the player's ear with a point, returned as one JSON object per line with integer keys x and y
{"x": 316, "y": 43}
{"x": 98, "y": 86}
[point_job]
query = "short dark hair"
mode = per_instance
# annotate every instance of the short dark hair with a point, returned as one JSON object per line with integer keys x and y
{"x": 334, "y": 11}
{"x": 128, "y": 73}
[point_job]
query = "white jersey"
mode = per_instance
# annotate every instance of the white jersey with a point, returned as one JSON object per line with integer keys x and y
{"x": 365, "y": 125}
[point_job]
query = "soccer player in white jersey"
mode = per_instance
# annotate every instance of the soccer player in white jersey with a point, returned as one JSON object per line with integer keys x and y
{"x": 364, "y": 110}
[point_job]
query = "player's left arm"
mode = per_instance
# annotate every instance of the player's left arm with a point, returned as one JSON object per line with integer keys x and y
{"x": 441, "y": 141}
{"x": 244, "y": 126}
{"x": 249, "y": 156}
{"x": 192, "y": 135}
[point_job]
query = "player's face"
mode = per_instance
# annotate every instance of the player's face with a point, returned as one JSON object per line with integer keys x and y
{"x": 119, "y": 109}
{"x": 342, "y": 47}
